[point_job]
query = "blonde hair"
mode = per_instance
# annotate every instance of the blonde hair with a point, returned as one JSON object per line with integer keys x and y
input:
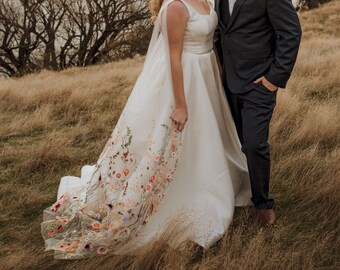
{"x": 155, "y": 6}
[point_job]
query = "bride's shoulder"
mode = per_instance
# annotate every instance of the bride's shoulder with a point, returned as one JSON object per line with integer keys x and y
{"x": 178, "y": 8}
{"x": 180, "y": 4}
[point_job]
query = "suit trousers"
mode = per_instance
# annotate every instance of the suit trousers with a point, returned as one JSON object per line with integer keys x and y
{"x": 252, "y": 112}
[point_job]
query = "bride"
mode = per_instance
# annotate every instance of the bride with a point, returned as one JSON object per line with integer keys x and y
{"x": 174, "y": 148}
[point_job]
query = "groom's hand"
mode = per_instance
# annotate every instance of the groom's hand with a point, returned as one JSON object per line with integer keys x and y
{"x": 266, "y": 84}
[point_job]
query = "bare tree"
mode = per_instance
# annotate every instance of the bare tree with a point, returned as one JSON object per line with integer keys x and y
{"x": 56, "y": 34}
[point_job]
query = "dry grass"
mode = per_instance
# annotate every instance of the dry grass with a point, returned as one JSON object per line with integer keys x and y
{"x": 53, "y": 123}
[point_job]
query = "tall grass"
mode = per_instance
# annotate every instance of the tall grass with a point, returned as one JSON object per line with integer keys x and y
{"x": 53, "y": 123}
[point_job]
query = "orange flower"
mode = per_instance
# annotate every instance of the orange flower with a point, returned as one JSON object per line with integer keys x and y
{"x": 158, "y": 158}
{"x": 75, "y": 243}
{"x": 126, "y": 172}
{"x": 152, "y": 179}
{"x": 118, "y": 175}
{"x": 68, "y": 250}
{"x": 148, "y": 187}
{"x": 96, "y": 225}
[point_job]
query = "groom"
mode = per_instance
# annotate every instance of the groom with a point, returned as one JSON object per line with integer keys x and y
{"x": 257, "y": 42}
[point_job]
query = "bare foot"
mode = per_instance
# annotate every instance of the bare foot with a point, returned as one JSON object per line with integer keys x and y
{"x": 266, "y": 217}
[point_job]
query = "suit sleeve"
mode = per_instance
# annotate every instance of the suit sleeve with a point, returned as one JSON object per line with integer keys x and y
{"x": 218, "y": 44}
{"x": 286, "y": 25}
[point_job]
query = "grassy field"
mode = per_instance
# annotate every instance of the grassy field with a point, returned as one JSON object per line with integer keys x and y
{"x": 53, "y": 123}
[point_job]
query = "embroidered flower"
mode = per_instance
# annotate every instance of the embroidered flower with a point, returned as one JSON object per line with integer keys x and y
{"x": 102, "y": 250}
{"x": 96, "y": 226}
{"x": 88, "y": 246}
{"x": 148, "y": 187}
{"x": 122, "y": 218}
{"x": 75, "y": 243}
{"x": 59, "y": 228}
{"x": 56, "y": 207}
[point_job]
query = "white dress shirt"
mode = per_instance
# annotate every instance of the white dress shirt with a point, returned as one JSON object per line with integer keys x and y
{"x": 231, "y": 6}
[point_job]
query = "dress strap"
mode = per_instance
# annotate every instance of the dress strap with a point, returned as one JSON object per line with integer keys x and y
{"x": 166, "y": 3}
{"x": 188, "y": 6}
{"x": 193, "y": 10}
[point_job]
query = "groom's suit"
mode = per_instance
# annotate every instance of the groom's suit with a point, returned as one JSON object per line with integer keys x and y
{"x": 259, "y": 38}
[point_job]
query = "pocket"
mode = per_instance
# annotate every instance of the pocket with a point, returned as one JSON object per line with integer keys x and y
{"x": 261, "y": 86}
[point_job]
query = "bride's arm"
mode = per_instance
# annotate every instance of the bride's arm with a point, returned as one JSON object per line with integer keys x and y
{"x": 177, "y": 18}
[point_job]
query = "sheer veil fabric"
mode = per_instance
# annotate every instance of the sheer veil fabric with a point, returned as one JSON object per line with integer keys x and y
{"x": 148, "y": 172}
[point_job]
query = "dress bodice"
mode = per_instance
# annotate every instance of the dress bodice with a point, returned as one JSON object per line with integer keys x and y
{"x": 200, "y": 30}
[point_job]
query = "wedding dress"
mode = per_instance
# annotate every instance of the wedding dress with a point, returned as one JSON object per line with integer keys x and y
{"x": 148, "y": 172}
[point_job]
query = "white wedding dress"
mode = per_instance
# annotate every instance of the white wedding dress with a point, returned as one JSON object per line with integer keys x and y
{"x": 148, "y": 172}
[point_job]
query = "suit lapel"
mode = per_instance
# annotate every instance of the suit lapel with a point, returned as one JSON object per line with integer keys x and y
{"x": 236, "y": 10}
{"x": 218, "y": 11}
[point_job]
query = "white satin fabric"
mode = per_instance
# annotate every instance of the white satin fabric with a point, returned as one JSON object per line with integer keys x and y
{"x": 208, "y": 172}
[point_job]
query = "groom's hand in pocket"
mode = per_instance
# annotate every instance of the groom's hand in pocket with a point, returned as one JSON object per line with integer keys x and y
{"x": 266, "y": 84}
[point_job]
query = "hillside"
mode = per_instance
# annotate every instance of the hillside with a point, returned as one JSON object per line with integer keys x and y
{"x": 53, "y": 123}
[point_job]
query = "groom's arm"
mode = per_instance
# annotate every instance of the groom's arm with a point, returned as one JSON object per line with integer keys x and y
{"x": 286, "y": 24}
{"x": 218, "y": 45}
{"x": 218, "y": 49}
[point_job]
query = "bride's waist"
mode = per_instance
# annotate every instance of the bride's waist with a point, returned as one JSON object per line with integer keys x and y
{"x": 197, "y": 48}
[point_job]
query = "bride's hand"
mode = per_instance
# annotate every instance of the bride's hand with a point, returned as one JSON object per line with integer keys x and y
{"x": 180, "y": 117}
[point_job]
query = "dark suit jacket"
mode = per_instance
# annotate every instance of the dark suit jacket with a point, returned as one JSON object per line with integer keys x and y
{"x": 262, "y": 37}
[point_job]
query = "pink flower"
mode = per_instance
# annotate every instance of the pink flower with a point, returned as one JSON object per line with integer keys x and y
{"x": 59, "y": 228}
